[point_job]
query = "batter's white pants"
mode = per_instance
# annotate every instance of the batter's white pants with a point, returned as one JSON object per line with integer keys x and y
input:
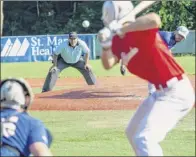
{"x": 158, "y": 115}
{"x": 151, "y": 88}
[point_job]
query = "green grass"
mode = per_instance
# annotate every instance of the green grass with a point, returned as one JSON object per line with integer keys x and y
{"x": 188, "y": 63}
{"x": 40, "y": 69}
{"x": 101, "y": 133}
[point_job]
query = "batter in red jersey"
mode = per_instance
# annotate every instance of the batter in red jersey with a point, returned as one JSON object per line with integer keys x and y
{"x": 150, "y": 60}
{"x": 142, "y": 50}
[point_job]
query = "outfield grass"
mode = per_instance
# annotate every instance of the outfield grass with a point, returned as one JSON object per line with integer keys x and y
{"x": 96, "y": 133}
{"x": 40, "y": 69}
{"x": 101, "y": 133}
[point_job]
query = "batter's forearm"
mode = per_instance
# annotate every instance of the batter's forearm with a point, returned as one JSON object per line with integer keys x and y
{"x": 108, "y": 59}
{"x": 142, "y": 23}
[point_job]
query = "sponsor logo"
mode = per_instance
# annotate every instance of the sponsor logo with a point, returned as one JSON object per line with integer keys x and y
{"x": 15, "y": 49}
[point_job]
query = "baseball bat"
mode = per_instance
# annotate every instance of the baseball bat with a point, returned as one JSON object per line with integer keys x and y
{"x": 138, "y": 9}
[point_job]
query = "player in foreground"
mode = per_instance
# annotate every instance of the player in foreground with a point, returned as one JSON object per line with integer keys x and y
{"x": 150, "y": 59}
{"x": 21, "y": 134}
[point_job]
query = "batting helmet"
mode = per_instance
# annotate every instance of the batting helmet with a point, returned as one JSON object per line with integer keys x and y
{"x": 115, "y": 10}
{"x": 16, "y": 93}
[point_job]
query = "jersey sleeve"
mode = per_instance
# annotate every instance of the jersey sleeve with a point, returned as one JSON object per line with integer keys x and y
{"x": 162, "y": 34}
{"x": 39, "y": 134}
{"x": 59, "y": 49}
{"x": 149, "y": 34}
{"x": 84, "y": 46}
{"x": 166, "y": 38}
{"x": 116, "y": 49}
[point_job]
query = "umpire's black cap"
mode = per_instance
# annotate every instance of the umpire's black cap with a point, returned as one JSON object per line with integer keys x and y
{"x": 73, "y": 35}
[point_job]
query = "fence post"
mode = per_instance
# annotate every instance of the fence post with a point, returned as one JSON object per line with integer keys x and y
{"x": 94, "y": 47}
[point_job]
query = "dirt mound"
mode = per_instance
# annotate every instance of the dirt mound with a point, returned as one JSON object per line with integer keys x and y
{"x": 111, "y": 93}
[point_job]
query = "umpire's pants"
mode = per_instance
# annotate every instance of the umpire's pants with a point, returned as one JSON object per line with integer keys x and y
{"x": 61, "y": 65}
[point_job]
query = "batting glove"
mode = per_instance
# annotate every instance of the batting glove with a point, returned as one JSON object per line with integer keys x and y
{"x": 115, "y": 27}
{"x": 105, "y": 37}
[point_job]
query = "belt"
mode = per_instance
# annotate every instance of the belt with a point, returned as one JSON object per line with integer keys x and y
{"x": 12, "y": 149}
{"x": 170, "y": 82}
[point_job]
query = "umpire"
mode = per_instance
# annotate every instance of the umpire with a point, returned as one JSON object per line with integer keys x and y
{"x": 69, "y": 53}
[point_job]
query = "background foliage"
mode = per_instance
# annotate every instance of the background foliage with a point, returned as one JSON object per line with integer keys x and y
{"x": 57, "y": 17}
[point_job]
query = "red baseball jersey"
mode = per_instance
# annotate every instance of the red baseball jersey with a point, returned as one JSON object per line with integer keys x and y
{"x": 153, "y": 61}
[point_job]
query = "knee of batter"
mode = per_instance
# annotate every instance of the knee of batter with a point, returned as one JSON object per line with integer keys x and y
{"x": 146, "y": 146}
{"x": 130, "y": 133}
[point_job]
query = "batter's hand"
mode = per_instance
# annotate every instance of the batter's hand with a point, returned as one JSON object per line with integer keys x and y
{"x": 114, "y": 26}
{"x": 127, "y": 57}
{"x": 123, "y": 69}
{"x": 105, "y": 37}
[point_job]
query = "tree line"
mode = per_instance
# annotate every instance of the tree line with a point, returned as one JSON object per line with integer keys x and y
{"x": 61, "y": 17}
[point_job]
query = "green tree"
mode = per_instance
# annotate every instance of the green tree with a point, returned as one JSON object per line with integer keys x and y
{"x": 175, "y": 13}
{"x": 57, "y": 17}
{"x": 91, "y": 13}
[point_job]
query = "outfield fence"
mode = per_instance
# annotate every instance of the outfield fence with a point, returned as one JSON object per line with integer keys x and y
{"x": 42, "y": 47}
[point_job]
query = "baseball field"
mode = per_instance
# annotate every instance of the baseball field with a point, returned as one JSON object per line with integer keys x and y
{"x": 90, "y": 120}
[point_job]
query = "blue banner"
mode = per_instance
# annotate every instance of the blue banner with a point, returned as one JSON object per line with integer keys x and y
{"x": 37, "y": 48}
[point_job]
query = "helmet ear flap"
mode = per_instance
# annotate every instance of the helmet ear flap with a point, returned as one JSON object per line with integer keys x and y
{"x": 26, "y": 88}
{"x": 28, "y": 92}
